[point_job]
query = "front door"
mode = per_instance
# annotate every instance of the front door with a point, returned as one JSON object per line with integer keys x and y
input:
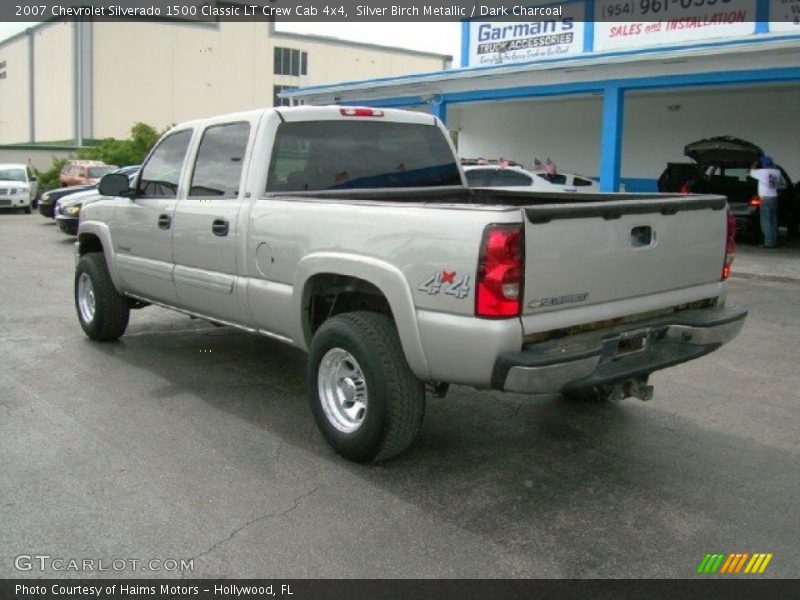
{"x": 207, "y": 232}
{"x": 142, "y": 227}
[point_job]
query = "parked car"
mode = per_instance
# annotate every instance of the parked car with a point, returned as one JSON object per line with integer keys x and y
{"x": 84, "y": 172}
{"x": 49, "y": 199}
{"x": 722, "y": 166}
{"x": 68, "y": 208}
{"x": 348, "y": 232}
{"x": 17, "y": 187}
{"x": 511, "y": 177}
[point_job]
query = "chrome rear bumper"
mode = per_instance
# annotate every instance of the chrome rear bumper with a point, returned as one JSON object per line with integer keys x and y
{"x": 616, "y": 354}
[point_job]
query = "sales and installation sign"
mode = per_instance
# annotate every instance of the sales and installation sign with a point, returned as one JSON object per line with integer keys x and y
{"x": 550, "y": 36}
{"x": 665, "y": 22}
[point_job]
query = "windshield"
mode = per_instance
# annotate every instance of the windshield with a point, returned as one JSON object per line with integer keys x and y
{"x": 13, "y": 175}
{"x": 330, "y": 155}
{"x": 98, "y": 172}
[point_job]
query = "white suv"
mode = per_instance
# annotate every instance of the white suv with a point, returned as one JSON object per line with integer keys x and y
{"x": 17, "y": 187}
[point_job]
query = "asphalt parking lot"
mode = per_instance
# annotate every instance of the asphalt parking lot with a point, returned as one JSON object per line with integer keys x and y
{"x": 188, "y": 441}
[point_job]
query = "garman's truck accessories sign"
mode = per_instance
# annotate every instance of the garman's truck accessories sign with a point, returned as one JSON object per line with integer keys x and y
{"x": 500, "y": 42}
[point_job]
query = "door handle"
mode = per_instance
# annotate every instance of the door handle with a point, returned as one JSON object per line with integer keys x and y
{"x": 164, "y": 221}
{"x": 220, "y": 227}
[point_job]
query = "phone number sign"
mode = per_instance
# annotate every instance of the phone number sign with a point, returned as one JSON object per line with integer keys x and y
{"x": 665, "y": 22}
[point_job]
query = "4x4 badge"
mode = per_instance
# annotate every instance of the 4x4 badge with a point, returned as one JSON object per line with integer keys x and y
{"x": 447, "y": 282}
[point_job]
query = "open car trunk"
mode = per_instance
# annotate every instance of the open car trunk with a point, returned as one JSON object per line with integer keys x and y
{"x": 724, "y": 151}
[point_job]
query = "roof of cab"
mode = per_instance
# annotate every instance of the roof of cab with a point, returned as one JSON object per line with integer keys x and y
{"x": 316, "y": 113}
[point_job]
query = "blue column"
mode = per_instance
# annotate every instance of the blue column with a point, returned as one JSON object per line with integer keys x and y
{"x": 440, "y": 110}
{"x": 762, "y": 16}
{"x": 465, "y": 43}
{"x": 588, "y": 27}
{"x": 611, "y": 138}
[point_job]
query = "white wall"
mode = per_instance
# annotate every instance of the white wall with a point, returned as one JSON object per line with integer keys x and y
{"x": 654, "y": 134}
{"x": 37, "y": 158}
{"x": 15, "y": 93}
{"x": 53, "y": 77}
{"x": 568, "y": 129}
{"x": 161, "y": 73}
{"x": 565, "y": 130}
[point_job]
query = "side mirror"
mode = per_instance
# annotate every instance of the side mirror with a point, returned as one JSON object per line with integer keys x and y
{"x": 33, "y": 177}
{"x": 115, "y": 184}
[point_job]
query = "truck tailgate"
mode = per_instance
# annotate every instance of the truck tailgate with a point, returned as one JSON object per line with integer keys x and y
{"x": 602, "y": 251}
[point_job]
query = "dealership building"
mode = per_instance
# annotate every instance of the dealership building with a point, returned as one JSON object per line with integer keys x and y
{"x": 613, "y": 101}
{"x": 68, "y": 83}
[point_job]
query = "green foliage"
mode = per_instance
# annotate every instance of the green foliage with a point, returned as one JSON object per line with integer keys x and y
{"x": 124, "y": 152}
{"x": 49, "y": 179}
{"x": 111, "y": 151}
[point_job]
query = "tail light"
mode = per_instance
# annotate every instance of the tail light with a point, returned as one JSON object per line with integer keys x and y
{"x": 500, "y": 269}
{"x": 685, "y": 188}
{"x": 730, "y": 247}
{"x": 755, "y": 201}
{"x": 361, "y": 112}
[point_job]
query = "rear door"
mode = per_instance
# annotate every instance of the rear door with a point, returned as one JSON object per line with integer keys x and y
{"x": 606, "y": 252}
{"x": 207, "y": 229}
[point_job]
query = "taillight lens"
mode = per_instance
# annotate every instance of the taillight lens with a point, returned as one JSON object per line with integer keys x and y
{"x": 755, "y": 201}
{"x": 361, "y": 112}
{"x": 730, "y": 247}
{"x": 500, "y": 270}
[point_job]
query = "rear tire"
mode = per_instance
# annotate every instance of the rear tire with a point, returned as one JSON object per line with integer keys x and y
{"x": 102, "y": 311}
{"x": 366, "y": 401}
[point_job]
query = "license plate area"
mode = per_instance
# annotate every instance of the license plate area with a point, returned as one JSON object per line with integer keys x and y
{"x": 632, "y": 342}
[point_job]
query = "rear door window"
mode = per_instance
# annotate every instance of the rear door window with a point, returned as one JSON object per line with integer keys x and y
{"x": 220, "y": 159}
{"x": 369, "y": 154}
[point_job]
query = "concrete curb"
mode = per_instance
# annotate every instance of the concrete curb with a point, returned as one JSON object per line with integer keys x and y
{"x": 762, "y": 277}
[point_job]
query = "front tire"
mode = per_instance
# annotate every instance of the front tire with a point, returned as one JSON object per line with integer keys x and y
{"x": 102, "y": 311}
{"x": 28, "y": 210}
{"x": 366, "y": 401}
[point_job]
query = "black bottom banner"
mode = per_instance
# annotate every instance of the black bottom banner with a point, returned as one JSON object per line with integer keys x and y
{"x": 390, "y": 589}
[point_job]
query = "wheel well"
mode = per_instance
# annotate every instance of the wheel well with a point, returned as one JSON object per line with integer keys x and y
{"x": 88, "y": 242}
{"x": 328, "y": 294}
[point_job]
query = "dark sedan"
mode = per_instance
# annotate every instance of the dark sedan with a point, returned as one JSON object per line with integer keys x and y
{"x": 68, "y": 209}
{"x": 47, "y": 203}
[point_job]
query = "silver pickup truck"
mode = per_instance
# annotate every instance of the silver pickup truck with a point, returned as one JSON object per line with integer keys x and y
{"x": 349, "y": 233}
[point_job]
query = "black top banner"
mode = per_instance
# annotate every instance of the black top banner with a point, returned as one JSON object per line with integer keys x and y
{"x": 210, "y": 11}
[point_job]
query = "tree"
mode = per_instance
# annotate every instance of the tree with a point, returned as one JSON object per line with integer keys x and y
{"x": 131, "y": 151}
{"x": 124, "y": 152}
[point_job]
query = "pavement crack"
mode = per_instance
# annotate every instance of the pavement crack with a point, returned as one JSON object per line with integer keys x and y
{"x": 295, "y": 504}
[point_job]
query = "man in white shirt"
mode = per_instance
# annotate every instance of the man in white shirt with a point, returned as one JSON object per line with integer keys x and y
{"x": 768, "y": 177}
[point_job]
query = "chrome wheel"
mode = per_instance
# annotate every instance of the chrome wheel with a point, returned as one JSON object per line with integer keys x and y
{"x": 342, "y": 390}
{"x": 86, "y": 300}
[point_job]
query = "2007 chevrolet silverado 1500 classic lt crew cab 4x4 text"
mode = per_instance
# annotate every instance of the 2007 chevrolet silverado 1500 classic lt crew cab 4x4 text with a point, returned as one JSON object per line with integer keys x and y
{"x": 349, "y": 233}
